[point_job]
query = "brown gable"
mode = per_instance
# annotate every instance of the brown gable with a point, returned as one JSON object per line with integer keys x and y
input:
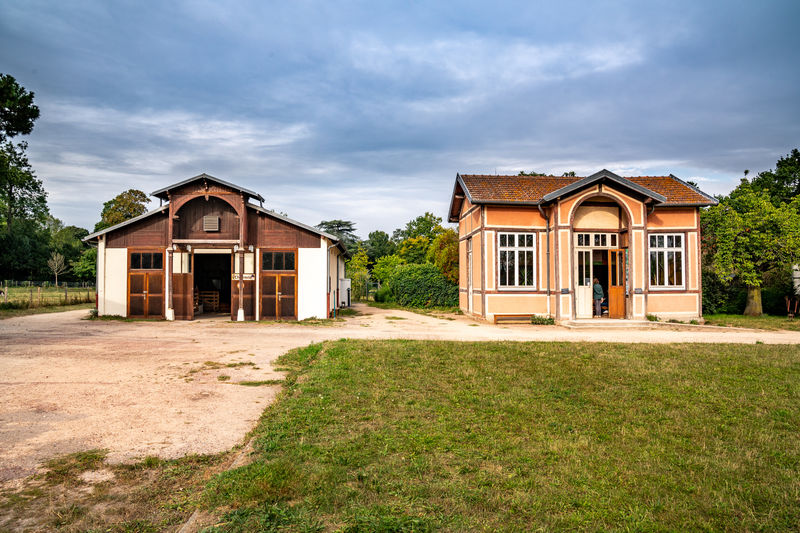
{"x": 487, "y": 189}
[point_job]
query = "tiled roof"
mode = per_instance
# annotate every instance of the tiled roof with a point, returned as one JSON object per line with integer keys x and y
{"x": 487, "y": 189}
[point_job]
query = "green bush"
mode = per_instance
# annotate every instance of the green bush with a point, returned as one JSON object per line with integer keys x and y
{"x": 384, "y": 293}
{"x": 537, "y": 320}
{"x": 422, "y": 285}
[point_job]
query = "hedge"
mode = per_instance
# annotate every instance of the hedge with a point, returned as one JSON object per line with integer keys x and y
{"x": 423, "y": 285}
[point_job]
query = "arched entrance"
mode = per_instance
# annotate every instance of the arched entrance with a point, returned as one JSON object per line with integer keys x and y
{"x": 600, "y": 243}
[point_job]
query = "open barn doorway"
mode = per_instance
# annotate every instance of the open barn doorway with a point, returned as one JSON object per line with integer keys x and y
{"x": 212, "y": 283}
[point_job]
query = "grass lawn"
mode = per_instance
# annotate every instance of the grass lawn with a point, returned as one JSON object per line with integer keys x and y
{"x": 418, "y": 436}
{"x": 760, "y": 322}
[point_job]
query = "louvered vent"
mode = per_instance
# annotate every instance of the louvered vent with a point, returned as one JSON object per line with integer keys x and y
{"x": 210, "y": 223}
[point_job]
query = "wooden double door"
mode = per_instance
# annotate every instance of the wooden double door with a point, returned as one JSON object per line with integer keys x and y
{"x": 609, "y": 266}
{"x": 146, "y": 294}
{"x": 279, "y": 296}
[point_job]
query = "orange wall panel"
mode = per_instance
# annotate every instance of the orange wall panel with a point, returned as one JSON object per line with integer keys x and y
{"x": 477, "y": 304}
{"x": 672, "y": 217}
{"x": 507, "y": 216}
{"x": 671, "y": 303}
{"x": 564, "y": 252}
{"x": 490, "y": 260}
{"x": 595, "y": 216}
{"x": 477, "y": 266}
{"x": 462, "y": 264}
{"x": 516, "y": 304}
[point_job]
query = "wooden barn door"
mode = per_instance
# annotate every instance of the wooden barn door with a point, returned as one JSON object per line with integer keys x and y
{"x": 616, "y": 284}
{"x": 183, "y": 296}
{"x": 287, "y": 296}
{"x": 279, "y": 296}
{"x": 145, "y": 294}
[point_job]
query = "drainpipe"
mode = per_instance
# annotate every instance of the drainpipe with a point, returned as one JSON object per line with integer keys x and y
{"x": 547, "y": 218}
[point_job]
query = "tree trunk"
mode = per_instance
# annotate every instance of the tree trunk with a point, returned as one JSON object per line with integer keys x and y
{"x": 753, "y": 307}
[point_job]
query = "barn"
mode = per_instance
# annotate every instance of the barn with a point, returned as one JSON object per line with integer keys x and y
{"x": 209, "y": 248}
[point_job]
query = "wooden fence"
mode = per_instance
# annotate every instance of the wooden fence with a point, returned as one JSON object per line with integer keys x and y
{"x": 45, "y": 294}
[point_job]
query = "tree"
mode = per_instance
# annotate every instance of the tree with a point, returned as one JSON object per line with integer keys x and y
{"x": 124, "y": 206}
{"x": 344, "y": 230}
{"x": 24, "y": 251}
{"x": 379, "y": 245}
{"x": 356, "y": 269}
{"x": 414, "y": 249}
{"x": 17, "y": 111}
{"x": 22, "y": 195}
{"x": 385, "y": 266}
{"x": 443, "y": 252}
{"x": 427, "y": 225}
{"x": 56, "y": 264}
{"x": 66, "y": 240}
{"x": 85, "y": 268}
{"x": 783, "y": 183}
{"x": 531, "y": 173}
{"x": 751, "y": 238}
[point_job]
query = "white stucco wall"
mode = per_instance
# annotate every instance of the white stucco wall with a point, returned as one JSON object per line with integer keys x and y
{"x": 311, "y": 283}
{"x": 115, "y": 270}
{"x": 101, "y": 285}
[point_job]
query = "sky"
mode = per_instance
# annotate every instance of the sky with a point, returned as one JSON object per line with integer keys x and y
{"x": 365, "y": 111}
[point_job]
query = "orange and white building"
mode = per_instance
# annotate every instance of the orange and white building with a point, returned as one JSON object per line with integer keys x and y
{"x": 531, "y": 245}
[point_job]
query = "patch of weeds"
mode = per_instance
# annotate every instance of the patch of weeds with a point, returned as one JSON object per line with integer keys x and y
{"x": 241, "y": 363}
{"x": 542, "y": 320}
{"x": 674, "y": 321}
{"x": 260, "y": 383}
{"x": 67, "y": 468}
{"x": 64, "y": 516}
{"x": 347, "y": 312}
{"x": 474, "y": 325}
{"x": 694, "y": 322}
{"x": 392, "y": 317}
{"x": 652, "y": 318}
{"x": 382, "y": 518}
{"x": 151, "y": 461}
{"x": 223, "y": 377}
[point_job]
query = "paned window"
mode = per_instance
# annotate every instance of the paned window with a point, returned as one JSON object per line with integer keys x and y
{"x": 666, "y": 261}
{"x": 597, "y": 240}
{"x": 278, "y": 261}
{"x": 147, "y": 261}
{"x": 517, "y": 259}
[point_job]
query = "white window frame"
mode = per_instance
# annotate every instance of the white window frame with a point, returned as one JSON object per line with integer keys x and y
{"x": 664, "y": 250}
{"x": 516, "y": 249}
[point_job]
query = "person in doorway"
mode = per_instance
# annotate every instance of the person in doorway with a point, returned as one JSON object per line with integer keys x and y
{"x": 597, "y": 295}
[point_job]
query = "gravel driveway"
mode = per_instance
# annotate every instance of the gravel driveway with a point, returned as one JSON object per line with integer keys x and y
{"x": 172, "y": 388}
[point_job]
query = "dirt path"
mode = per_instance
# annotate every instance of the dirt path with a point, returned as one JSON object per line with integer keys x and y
{"x": 160, "y": 388}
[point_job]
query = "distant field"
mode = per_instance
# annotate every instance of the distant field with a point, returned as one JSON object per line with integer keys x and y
{"x": 419, "y": 436}
{"x": 24, "y": 301}
{"x": 44, "y": 296}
